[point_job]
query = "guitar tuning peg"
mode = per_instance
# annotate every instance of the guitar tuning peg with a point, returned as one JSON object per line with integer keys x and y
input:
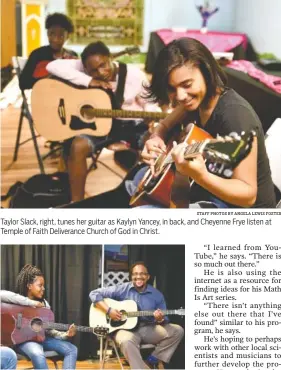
{"x": 213, "y": 168}
{"x": 227, "y": 172}
{"x": 235, "y": 136}
{"x": 228, "y": 138}
{"x": 219, "y": 138}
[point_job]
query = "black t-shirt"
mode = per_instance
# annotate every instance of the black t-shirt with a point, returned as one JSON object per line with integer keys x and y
{"x": 234, "y": 114}
{"x": 35, "y": 67}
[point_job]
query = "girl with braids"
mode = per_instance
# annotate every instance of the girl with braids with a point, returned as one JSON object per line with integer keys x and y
{"x": 30, "y": 288}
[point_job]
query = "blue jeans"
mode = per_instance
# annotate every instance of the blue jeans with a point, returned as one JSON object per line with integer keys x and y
{"x": 131, "y": 186}
{"x": 8, "y": 358}
{"x": 35, "y": 351}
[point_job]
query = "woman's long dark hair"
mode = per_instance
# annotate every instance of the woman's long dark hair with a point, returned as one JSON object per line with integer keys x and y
{"x": 176, "y": 54}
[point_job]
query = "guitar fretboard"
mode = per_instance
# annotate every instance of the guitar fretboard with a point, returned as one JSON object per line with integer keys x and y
{"x": 118, "y": 113}
{"x": 53, "y": 325}
{"x": 150, "y": 313}
{"x": 130, "y": 51}
{"x": 191, "y": 149}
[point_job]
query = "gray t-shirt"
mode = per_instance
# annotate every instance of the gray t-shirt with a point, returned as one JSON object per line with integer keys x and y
{"x": 234, "y": 114}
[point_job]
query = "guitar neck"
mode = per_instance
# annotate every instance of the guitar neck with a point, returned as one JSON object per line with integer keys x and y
{"x": 119, "y": 54}
{"x": 65, "y": 327}
{"x": 150, "y": 313}
{"x": 190, "y": 150}
{"x": 130, "y": 51}
{"x": 118, "y": 113}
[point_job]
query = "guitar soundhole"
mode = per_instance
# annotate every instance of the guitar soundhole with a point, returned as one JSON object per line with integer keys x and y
{"x": 116, "y": 324}
{"x": 87, "y": 112}
{"x": 36, "y": 325}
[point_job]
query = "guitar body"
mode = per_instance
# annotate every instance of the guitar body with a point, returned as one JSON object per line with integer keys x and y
{"x": 61, "y": 111}
{"x": 158, "y": 189}
{"x": 99, "y": 318}
{"x": 21, "y": 323}
{"x": 57, "y": 110}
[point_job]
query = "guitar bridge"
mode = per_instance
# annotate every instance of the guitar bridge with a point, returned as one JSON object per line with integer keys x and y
{"x": 61, "y": 111}
{"x": 19, "y": 321}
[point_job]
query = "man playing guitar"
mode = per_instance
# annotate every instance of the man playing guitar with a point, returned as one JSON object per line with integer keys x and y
{"x": 150, "y": 330}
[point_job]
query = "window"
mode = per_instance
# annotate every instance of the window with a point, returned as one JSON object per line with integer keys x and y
{"x": 116, "y": 258}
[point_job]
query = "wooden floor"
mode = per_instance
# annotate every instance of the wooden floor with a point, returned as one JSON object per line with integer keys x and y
{"x": 98, "y": 181}
{"x": 87, "y": 364}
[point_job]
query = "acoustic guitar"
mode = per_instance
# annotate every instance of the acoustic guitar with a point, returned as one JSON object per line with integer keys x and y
{"x": 130, "y": 314}
{"x": 61, "y": 111}
{"x": 223, "y": 154}
{"x": 21, "y": 323}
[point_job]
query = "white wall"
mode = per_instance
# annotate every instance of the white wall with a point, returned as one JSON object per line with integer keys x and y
{"x": 261, "y": 21}
{"x": 183, "y": 13}
{"x": 56, "y": 6}
{"x": 170, "y": 13}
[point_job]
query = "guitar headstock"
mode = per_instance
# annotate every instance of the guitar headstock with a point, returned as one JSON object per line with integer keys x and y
{"x": 180, "y": 311}
{"x": 226, "y": 153}
{"x": 100, "y": 331}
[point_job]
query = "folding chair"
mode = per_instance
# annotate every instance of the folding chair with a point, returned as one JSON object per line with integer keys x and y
{"x": 109, "y": 341}
{"x": 18, "y": 64}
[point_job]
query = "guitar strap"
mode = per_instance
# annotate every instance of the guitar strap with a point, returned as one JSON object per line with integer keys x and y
{"x": 119, "y": 93}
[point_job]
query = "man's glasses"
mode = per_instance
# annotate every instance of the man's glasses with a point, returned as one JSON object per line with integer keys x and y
{"x": 139, "y": 274}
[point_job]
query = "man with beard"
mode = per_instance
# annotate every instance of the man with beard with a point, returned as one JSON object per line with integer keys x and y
{"x": 151, "y": 330}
